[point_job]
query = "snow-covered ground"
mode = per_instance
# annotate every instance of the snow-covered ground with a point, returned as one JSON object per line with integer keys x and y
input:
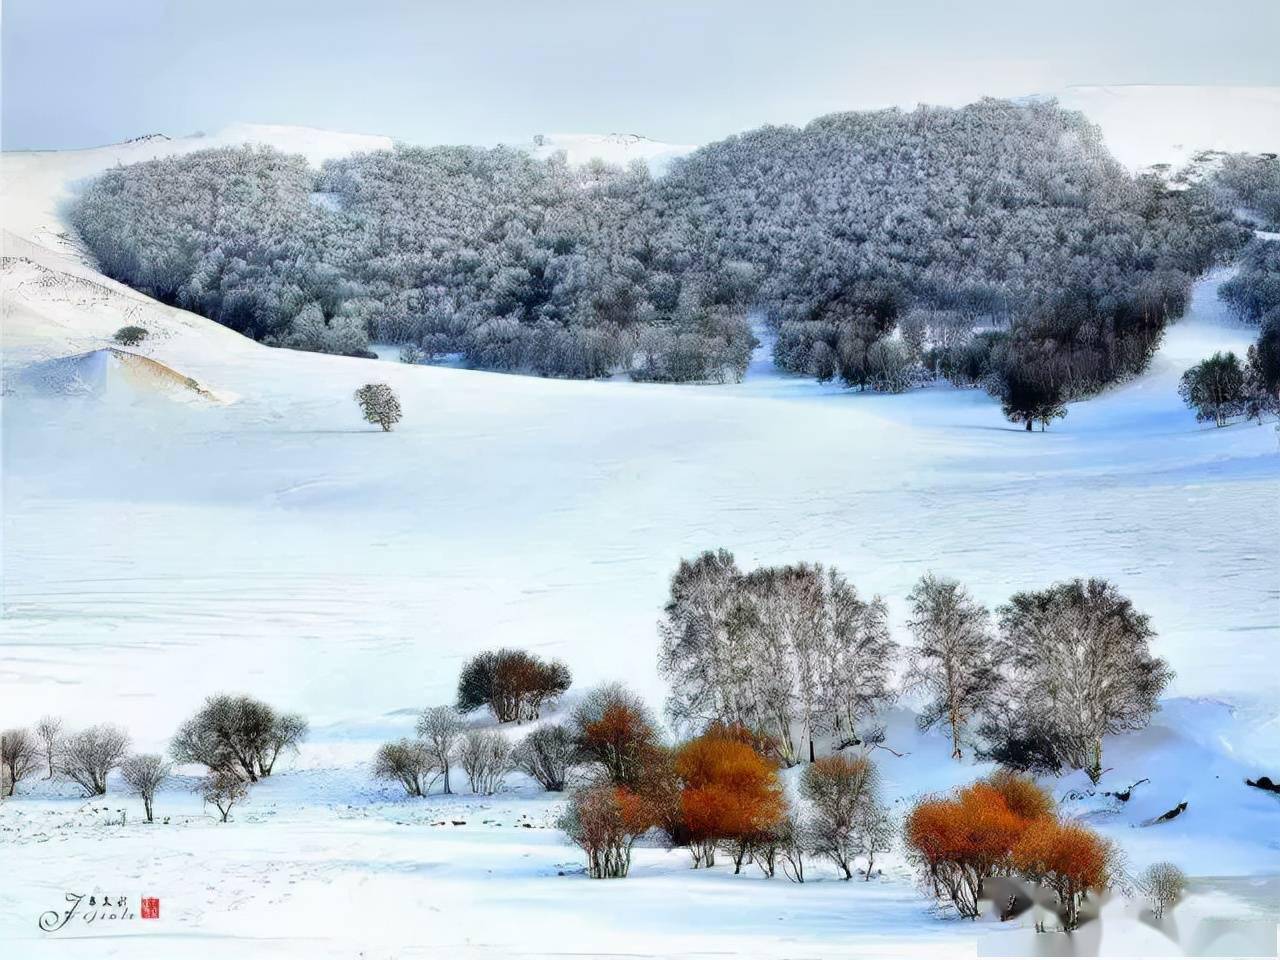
{"x": 255, "y": 535}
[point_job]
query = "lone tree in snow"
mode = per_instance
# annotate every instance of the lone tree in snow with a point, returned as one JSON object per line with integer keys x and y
{"x": 379, "y": 404}
{"x": 130, "y": 336}
{"x": 238, "y": 734}
{"x": 1080, "y": 666}
{"x": 144, "y": 773}
{"x": 953, "y": 657}
{"x": 440, "y": 729}
{"x": 1215, "y": 389}
{"x": 49, "y": 729}
{"x": 408, "y": 763}
{"x": 1028, "y": 394}
{"x": 85, "y": 758}
{"x": 513, "y": 684}
{"x": 224, "y": 790}
{"x": 1162, "y": 884}
{"x": 19, "y": 756}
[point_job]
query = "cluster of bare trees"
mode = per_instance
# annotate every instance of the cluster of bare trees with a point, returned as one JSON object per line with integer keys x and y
{"x": 515, "y": 686}
{"x": 794, "y": 652}
{"x": 85, "y": 758}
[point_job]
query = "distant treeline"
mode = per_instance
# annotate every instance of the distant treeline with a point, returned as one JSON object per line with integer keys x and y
{"x": 994, "y": 244}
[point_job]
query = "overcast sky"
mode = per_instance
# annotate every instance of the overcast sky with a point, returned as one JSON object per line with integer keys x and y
{"x": 86, "y": 72}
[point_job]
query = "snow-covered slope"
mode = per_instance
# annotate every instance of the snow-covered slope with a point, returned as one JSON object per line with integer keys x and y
{"x": 156, "y": 552}
{"x": 1146, "y": 125}
{"x": 619, "y": 149}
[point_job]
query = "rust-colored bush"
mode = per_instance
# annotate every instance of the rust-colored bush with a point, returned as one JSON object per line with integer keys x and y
{"x": 1022, "y": 795}
{"x": 961, "y": 841}
{"x": 729, "y": 794}
{"x": 1068, "y": 858}
{"x": 605, "y": 821}
{"x": 1004, "y": 824}
{"x": 613, "y": 727}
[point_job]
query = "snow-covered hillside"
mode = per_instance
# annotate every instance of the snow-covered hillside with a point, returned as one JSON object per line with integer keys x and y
{"x": 614, "y": 148}
{"x": 1146, "y": 125}
{"x": 159, "y": 548}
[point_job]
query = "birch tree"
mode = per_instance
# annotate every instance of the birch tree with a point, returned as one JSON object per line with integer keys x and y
{"x": 953, "y": 659}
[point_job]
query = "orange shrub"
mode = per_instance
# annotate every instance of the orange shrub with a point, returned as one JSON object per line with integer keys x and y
{"x": 613, "y": 727}
{"x": 963, "y": 840}
{"x": 605, "y": 821}
{"x": 1068, "y": 858}
{"x": 729, "y": 793}
{"x": 1022, "y": 795}
{"x": 1003, "y": 824}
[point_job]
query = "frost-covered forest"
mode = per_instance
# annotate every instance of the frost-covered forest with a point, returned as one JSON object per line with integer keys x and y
{"x": 996, "y": 244}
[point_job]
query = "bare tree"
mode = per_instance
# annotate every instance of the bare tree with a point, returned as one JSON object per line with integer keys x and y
{"x": 1162, "y": 884}
{"x": 701, "y": 656}
{"x": 792, "y": 651}
{"x": 795, "y": 841}
{"x": 409, "y": 763}
{"x": 440, "y": 729}
{"x": 239, "y": 734}
{"x": 840, "y": 789}
{"x": 875, "y": 831}
{"x": 224, "y": 790}
{"x": 48, "y": 730}
{"x": 857, "y": 658}
{"x": 546, "y": 754}
{"x": 485, "y": 755}
{"x": 1080, "y": 659}
{"x": 953, "y": 659}
{"x": 144, "y": 773}
{"x": 379, "y": 404}
{"x": 19, "y": 756}
{"x": 87, "y": 757}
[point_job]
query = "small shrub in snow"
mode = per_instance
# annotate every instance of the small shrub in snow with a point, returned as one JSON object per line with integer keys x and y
{"x": 87, "y": 757}
{"x": 379, "y": 404}
{"x": 605, "y": 821}
{"x": 19, "y": 757}
{"x": 130, "y": 336}
{"x": 409, "y": 763}
{"x": 730, "y": 795}
{"x": 843, "y": 794}
{"x": 224, "y": 790}
{"x": 1068, "y": 858}
{"x": 485, "y": 755}
{"x": 1162, "y": 884}
{"x": 144, "y": 773}
{"x": 546, "y": 755}
{"x": 794, "y": 842}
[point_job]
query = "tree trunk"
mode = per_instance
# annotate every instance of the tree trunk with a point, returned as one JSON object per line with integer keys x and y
{"x": 146, "y": 802}
{"x": 1028, "y": 426}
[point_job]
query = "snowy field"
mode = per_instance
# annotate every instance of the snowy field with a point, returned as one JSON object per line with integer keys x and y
{"x": 163, "y": 543}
